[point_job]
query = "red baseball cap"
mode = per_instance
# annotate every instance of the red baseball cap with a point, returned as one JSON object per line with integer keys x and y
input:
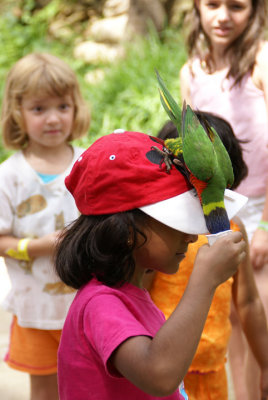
{"x": 115, "y": 174}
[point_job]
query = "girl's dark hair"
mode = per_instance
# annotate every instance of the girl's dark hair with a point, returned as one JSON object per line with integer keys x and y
{"x": 243, "y": 50}
{"x": 225, "y": 132}
{"x": 168, "y": 131}
{"x": 99, "y": 246}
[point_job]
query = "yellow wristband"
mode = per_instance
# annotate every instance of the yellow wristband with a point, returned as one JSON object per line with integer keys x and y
{"x": 22, "y": 252}
{"x": 263, "y": 225}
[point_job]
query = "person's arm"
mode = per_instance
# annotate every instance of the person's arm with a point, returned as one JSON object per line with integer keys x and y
{"x": 13, "y": 247}
{"x": 185, "y": 84}
{"x": 251, "y": 313}
{"x": 259, "y": 242}
{"x": 158, "y": 365}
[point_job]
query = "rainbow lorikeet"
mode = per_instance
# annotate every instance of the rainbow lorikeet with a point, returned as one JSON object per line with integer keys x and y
{"x": 199, "y": 153}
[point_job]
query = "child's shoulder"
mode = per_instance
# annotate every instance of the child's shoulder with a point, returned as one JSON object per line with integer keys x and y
{"x": 193, "y": 67}
{"x": 185, "y": 78}
{"x": 12, "y": 163}
{"x": 260, "y": 76}
{"x": 262, "y": 55}
{"x": 77, "y": 151}
{"x": 263, "y": 51}
{"x": 185, "y": 70}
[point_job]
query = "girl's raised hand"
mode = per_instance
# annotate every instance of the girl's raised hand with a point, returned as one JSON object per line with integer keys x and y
{"x": 221, "y": 260}
{"x": 259, "y": 249}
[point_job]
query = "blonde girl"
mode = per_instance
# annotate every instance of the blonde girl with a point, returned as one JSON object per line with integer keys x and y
{"x": 226, "y": 73}
{"x": 42, "y": 112}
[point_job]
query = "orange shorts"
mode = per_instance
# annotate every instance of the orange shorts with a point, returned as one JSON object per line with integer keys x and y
{"x": 33, "y": 350}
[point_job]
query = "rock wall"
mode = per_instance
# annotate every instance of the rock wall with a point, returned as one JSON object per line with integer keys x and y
{"x": 102, "y": 26}
{"x": 123, "y": 20}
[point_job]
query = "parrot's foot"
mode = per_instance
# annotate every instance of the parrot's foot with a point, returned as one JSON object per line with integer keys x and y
{"x": 165, "y": 157}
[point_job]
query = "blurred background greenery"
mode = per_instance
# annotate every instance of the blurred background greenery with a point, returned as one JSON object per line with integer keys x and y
{"x": 127, "y": 97}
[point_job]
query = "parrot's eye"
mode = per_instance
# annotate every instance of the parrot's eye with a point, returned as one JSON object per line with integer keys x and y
{"x": 112, "y": 157}
{"x": 167, "y": 151}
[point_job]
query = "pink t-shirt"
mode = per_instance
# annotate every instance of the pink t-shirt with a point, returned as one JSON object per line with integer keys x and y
{"x": 99, "y": 320}
{"x": 243, "y": 106}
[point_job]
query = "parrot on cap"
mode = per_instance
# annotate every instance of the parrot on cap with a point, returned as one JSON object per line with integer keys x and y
{"x": 200, "y": 155}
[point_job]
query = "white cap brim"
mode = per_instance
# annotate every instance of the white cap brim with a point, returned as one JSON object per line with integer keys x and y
{"x": 184, "y": 212}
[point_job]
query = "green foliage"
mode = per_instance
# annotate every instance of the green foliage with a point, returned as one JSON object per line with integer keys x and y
{"x": 24, "y": 34}
{"x": 127, "y": 97}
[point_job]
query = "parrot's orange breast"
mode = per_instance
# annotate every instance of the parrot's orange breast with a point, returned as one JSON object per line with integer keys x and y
{"x": 198, "y": 185}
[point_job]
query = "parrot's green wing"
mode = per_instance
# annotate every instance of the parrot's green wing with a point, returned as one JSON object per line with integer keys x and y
{"x": 198, "y": 151}
{"x": 169, "y": 104}
{"x": 203, "y": 157}
{"x": 223, "y": 158}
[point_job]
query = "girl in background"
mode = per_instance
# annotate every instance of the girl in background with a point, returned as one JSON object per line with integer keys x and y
{"x": 226, "y": 74}
{"x": 42, "y": 112}
{"x": 206, "y": 377}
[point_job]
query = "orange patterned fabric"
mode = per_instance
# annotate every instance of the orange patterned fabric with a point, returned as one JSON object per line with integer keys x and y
{"x": 208, "y": 386}
{"x": 166, "y": 293}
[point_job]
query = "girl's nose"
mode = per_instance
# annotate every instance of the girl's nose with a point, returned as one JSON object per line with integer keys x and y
{"x": 223, "y": 13}
{"x": 191, "y": 238}
{"x": 52, "y": 117}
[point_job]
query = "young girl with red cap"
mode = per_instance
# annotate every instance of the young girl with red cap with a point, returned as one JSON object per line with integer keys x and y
{"x": 135, "y": 216}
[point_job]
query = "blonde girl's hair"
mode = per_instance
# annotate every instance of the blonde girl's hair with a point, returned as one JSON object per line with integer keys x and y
{"x": 35, "y": 74}
{"x": 242, "y": 51}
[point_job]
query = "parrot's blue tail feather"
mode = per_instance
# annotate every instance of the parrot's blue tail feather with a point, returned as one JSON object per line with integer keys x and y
{"x": 217, "y": 220}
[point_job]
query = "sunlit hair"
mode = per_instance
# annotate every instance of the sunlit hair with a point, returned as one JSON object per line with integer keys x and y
{"x": 39, "y": 74}
{"x": 242, "y": 51}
